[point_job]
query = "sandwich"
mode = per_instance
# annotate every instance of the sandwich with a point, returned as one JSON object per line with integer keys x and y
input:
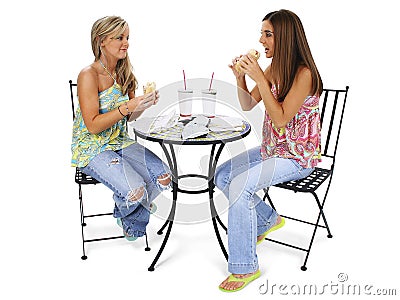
{"x": 149, "y": 87}
{"x": 251, "y": 52}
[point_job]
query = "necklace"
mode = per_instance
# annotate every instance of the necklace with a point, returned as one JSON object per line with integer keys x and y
{"x": 108, "y": 72}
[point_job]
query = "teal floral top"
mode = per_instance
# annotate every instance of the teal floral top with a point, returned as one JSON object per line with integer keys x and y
{"x": 86, "y": 145}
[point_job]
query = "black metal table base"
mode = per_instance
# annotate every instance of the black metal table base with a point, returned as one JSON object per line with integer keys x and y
{"x": 170, "y": 155}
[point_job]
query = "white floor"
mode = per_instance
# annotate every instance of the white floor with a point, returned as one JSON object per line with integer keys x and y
{"x": 48, "y": 263}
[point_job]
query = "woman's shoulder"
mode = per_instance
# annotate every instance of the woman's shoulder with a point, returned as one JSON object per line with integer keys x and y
{"x": 304, "y": 75}
{"x": 88, "y": 73}
{"x": 303, "y": 71}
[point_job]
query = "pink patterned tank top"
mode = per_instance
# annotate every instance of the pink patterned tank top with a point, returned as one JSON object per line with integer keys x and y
{"x": 300, "y": 139}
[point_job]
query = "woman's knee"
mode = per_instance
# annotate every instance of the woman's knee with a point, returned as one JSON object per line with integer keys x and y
{"x": 135, "y": 194}
{"x": 220, "y": 178}
{"x": 164, "y": 180}
{"x": 129, "y": 199}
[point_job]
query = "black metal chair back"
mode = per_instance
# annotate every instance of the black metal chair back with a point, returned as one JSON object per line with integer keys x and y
{"x": 332, "y": 107}
{"x": 72, "y": 86}
{"x": 332, "y": 111}
{"x": 83, "y": 179}
{"x": 80, "y": 178}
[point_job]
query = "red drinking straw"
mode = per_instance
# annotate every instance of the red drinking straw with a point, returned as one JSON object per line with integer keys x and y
{"x": 184, "y": 78}
{"x": 212, "y": 76}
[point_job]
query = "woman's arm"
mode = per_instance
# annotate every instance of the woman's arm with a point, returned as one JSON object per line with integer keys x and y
{"x": 135, "y": 114}
{"x": 89, "y": 103}
{"x": 248, "y": 100}
{"x": 144, "y": 102}
{"x": 280, "y": 113}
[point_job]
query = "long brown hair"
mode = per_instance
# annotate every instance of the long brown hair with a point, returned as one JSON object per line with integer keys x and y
{"x": 115, "y": 26}
{"x": 291, "y": 51}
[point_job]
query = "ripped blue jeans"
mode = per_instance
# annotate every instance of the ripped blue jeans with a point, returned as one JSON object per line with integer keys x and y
{"x": 132, "y": 174}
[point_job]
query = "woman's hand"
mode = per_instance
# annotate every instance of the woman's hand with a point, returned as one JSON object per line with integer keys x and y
{"x": 141, "y": 103}
{"x": 251, "y": 67}
{"x": 238, "y": 75}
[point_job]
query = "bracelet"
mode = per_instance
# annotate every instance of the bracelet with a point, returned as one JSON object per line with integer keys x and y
{"x": 129, "y": 113}
{"x": 121, "y": 112}
{"x": 127, "y": 109}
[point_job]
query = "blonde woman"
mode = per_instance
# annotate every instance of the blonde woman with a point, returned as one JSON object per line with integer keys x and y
{"x": 101, "y": 146}
{"x": 289, "y": 89}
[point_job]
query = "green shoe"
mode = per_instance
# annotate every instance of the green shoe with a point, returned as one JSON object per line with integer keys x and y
{"x": 245, "y": 280}
{"x": 273, "y": 228}
{"x": 153, "y": 208}
{"x": 128, "y": 237}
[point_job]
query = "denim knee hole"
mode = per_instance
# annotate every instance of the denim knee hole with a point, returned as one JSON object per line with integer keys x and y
{"x": 161, "y": 181}
{"x": 135, "y": 196}
{"x": 114, "y": 161}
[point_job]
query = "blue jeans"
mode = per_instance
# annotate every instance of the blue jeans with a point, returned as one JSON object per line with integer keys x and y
{"x": 131, "y": 171}
{"x": 248, "y": 217}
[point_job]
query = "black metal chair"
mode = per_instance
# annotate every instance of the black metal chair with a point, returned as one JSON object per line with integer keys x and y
{"x": 83, "y": 179}
{"x": 332, "y": 105}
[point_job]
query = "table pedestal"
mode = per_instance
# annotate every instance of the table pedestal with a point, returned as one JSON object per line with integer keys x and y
{"x": 212, "y": 163}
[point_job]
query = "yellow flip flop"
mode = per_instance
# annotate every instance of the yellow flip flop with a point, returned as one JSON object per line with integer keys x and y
{"x": 245, "y": 280}
{"x": 273, "y": 228}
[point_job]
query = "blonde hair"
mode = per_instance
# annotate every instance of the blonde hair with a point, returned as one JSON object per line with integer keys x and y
{"x": 114, "y": 26}
{"x": 291, "y": 51}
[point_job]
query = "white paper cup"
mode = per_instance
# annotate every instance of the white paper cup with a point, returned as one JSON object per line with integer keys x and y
{"x": 209, "y": 98}
{"x": 185, "y": 99}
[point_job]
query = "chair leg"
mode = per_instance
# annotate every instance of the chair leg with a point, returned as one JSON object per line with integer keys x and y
{"x": 147, "y": 244}
{"x": 81, "y": 206}
{"x": 321, "y": 213}
{"x": 323, "y": 203}
{"x": 83, "y": 257}
{"x": 266, "y": 195}
{"x": 83, "y": 224}
{"x": 316, "y": 225}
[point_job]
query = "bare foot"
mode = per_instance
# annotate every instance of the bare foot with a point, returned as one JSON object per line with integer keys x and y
{"x": 233, "y": 285}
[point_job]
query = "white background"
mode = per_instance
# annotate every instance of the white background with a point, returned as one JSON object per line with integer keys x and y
{"x": 46, "y": 43}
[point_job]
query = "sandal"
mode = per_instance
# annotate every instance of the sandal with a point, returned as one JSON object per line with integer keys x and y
{"x": 245, "y": 280}
{"x": 273, "y": 228}
{"x": 128, "y": 237}
{"x": 153, "y": 208}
